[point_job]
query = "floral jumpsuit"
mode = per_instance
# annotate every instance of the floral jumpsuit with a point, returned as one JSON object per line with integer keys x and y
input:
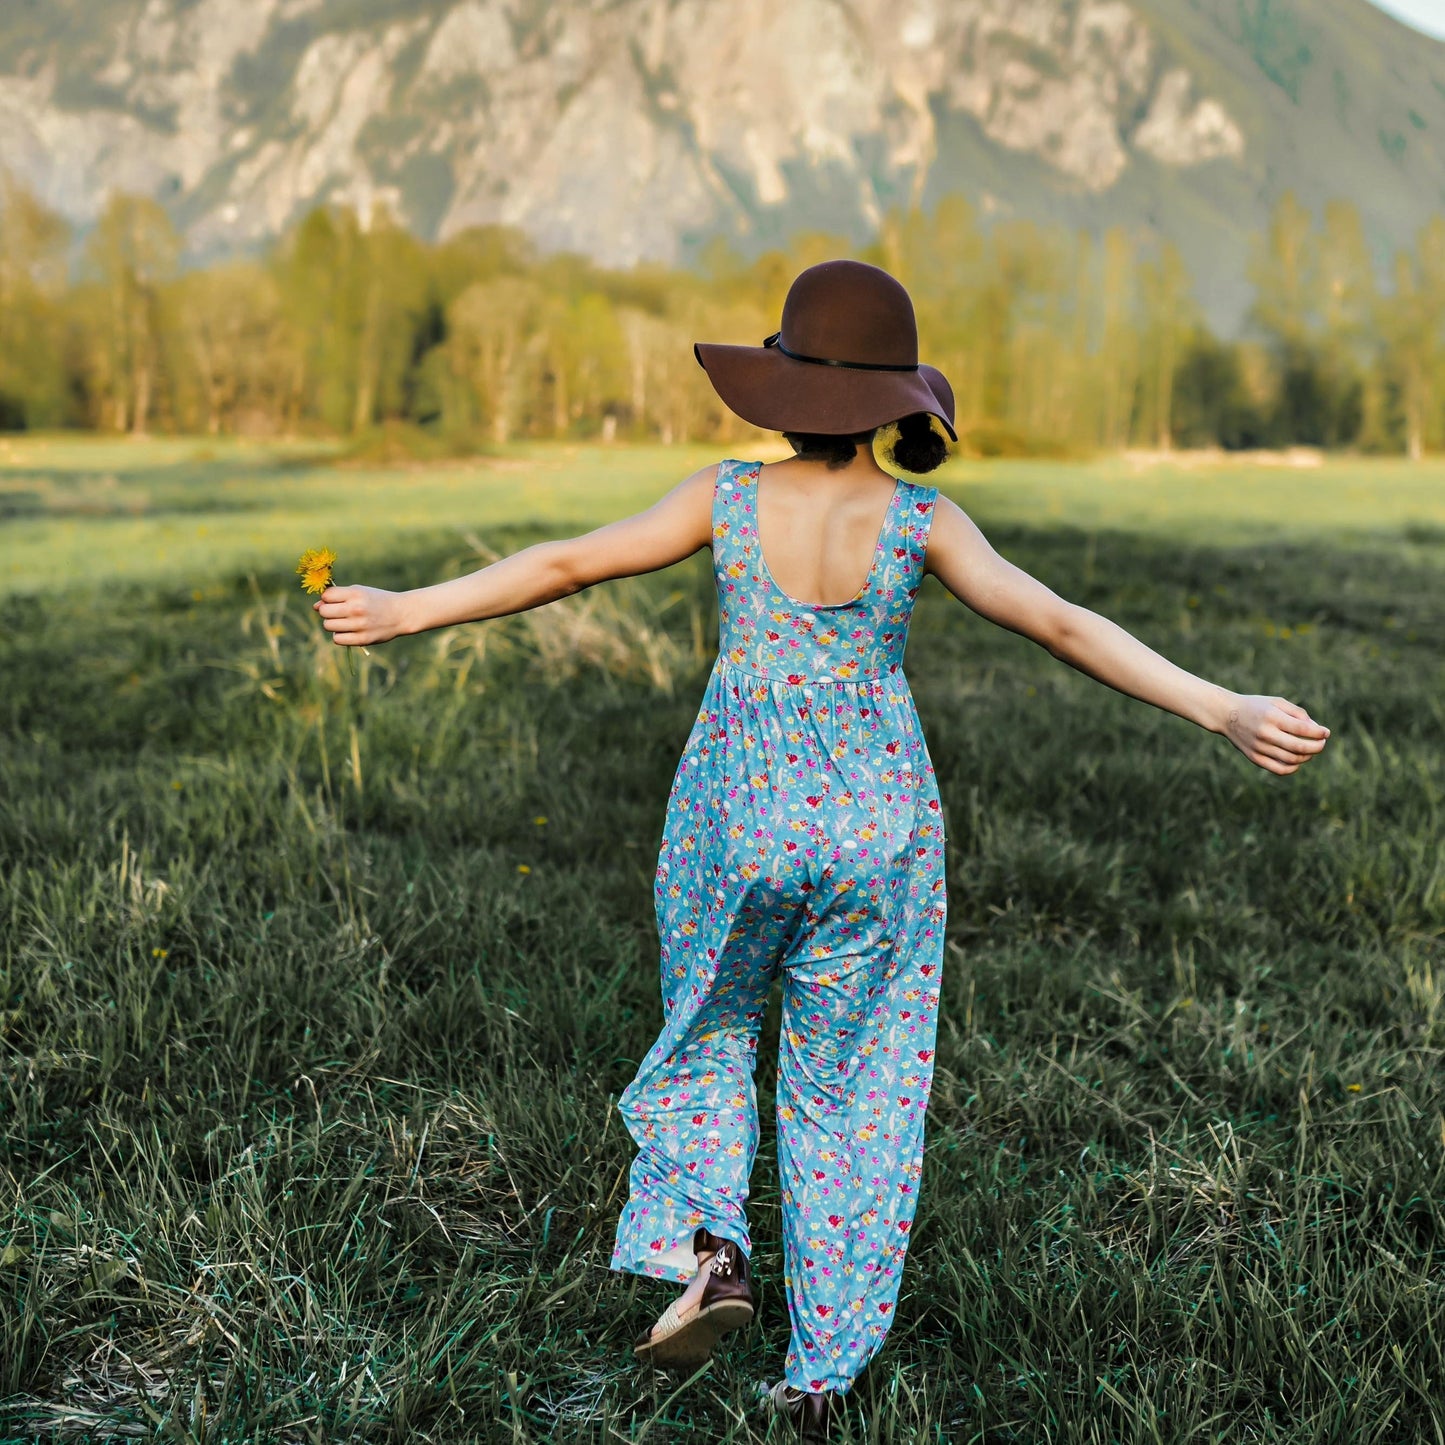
{"x": 803, "y": 836}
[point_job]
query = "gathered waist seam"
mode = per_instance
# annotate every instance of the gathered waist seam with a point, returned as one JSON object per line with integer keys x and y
{"x": 895, "y": 671}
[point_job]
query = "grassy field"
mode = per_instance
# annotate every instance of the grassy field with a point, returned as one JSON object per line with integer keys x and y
{"x": 319, "y": 972}
{"x": 187, "y": 512}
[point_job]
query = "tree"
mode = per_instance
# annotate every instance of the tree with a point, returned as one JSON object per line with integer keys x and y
{"x": 492, "y": 328}
{"x": 1118, "y": 358}
{"x": 1413, "y": 321}
{"x": 132, "y": 252}
{"x": 1211, "y": 404}
{"x": 32, "y": 278}
{"x": 1168, "y": 318}
{"x": 237, "y": 351}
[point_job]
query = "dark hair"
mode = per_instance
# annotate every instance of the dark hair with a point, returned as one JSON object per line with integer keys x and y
{"x": 920, "y": 446}
{"x": 836, "y": 450}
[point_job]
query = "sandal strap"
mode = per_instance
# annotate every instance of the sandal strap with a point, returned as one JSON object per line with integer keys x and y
{"x": 669, "y": 1322}
{"x": 813, "y": 1412}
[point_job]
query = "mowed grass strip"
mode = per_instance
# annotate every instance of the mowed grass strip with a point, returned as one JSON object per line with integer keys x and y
{"x": 321, "y": 973}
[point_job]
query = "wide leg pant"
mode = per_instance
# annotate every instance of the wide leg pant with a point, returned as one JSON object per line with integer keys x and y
{"x": 855, "y": 1065}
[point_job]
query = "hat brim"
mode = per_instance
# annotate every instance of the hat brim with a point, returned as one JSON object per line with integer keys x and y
{"x": 777, "y": 393}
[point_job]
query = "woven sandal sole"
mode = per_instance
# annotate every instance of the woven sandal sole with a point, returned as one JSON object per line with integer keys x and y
{"x": 692, "y": 1345}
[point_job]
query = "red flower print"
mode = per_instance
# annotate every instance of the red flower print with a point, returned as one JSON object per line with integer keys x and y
{"x": 824, "y": 1311}
{"x": 884, "y": 1306}
{"x": 835, "y": 1220}
{"x": 925, "y": 1054}
{"x": 795, "y": 678}
{"x": 819, "y": 1174}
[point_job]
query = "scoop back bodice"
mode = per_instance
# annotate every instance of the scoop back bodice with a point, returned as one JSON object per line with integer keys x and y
{"x": 768, "y": 633}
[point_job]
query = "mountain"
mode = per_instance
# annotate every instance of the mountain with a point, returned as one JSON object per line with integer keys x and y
{"x": 640, "y": 129}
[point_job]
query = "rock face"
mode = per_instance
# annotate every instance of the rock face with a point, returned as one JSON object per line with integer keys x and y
{"x": 636, "y": 129}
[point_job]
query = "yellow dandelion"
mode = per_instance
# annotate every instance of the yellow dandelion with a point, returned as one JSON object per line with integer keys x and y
{"x": 314, "y": 568}
{"x": 522, "y": 868}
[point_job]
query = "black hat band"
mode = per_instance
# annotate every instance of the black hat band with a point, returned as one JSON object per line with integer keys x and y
{"x": 776, "y": 340}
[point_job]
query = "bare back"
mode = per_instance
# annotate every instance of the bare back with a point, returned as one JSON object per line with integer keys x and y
{"x": 818, "y": 529}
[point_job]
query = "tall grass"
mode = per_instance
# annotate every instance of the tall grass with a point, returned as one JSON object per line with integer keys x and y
{"x": 321, "y": 972}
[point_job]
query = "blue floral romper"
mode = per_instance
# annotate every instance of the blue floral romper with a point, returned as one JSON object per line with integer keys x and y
{"x": 803, "y": 837}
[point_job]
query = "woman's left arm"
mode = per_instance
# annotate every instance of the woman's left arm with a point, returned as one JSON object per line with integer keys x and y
{"x": 1271, "y": 732}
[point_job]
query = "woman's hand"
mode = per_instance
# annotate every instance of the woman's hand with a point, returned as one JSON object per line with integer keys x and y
{"x": 359, "y": 616}
{"x": 1279, "y": 736}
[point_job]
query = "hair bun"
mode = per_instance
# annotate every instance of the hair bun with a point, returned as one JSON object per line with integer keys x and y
{"x": 916, "y": 444}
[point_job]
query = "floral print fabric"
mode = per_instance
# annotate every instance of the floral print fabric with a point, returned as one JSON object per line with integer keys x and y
{"x": 804, "y": 837}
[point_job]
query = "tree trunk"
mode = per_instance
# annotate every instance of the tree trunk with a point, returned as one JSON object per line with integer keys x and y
{"x": 1166, "y": 393}
{"x": 367, "y": 362}
{"x": 1414, "y": 422}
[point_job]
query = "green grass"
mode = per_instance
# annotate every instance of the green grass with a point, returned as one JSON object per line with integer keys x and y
{"x": 308, "y": 1088}
{"x": 187, "y": 511}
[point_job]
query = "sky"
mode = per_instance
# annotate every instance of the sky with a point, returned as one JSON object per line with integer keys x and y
{"x": 1426, "y": 15}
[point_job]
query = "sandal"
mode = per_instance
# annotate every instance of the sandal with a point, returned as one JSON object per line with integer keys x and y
{"x": 726, "y": 1304}
{"x": 813, "y": 1414}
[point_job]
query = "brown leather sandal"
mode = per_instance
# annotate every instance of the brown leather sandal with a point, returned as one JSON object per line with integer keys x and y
{"x": 686, "y": 1342}
{"x": 813, "y": 1414}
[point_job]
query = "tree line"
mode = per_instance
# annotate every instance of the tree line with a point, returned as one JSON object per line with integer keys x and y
{"x": 1053, "y": 341}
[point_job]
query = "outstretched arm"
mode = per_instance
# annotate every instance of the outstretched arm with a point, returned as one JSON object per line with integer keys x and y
{"x": 673, "y": 528}
{"x": 1272, "y": 732}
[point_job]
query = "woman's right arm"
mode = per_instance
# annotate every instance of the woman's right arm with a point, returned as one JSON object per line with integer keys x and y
{"x": 1271, "y": 732}
{"x": 674, "y": 527}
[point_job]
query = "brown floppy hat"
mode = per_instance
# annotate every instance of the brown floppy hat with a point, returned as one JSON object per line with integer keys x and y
{"x": 845, "y": 360}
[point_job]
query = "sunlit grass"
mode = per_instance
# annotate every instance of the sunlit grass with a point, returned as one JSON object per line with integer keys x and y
{"x": 184, "y": 512}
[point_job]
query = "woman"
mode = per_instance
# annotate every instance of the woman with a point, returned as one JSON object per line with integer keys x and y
{"x": 804, "y": 834}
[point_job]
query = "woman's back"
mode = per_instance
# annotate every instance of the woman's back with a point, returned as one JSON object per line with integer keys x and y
{"x": 766, "y": 629}
{"x": 818, "y": 526}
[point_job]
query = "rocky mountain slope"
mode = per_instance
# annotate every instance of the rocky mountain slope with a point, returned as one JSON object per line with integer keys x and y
{"x": 638, "y": 129}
